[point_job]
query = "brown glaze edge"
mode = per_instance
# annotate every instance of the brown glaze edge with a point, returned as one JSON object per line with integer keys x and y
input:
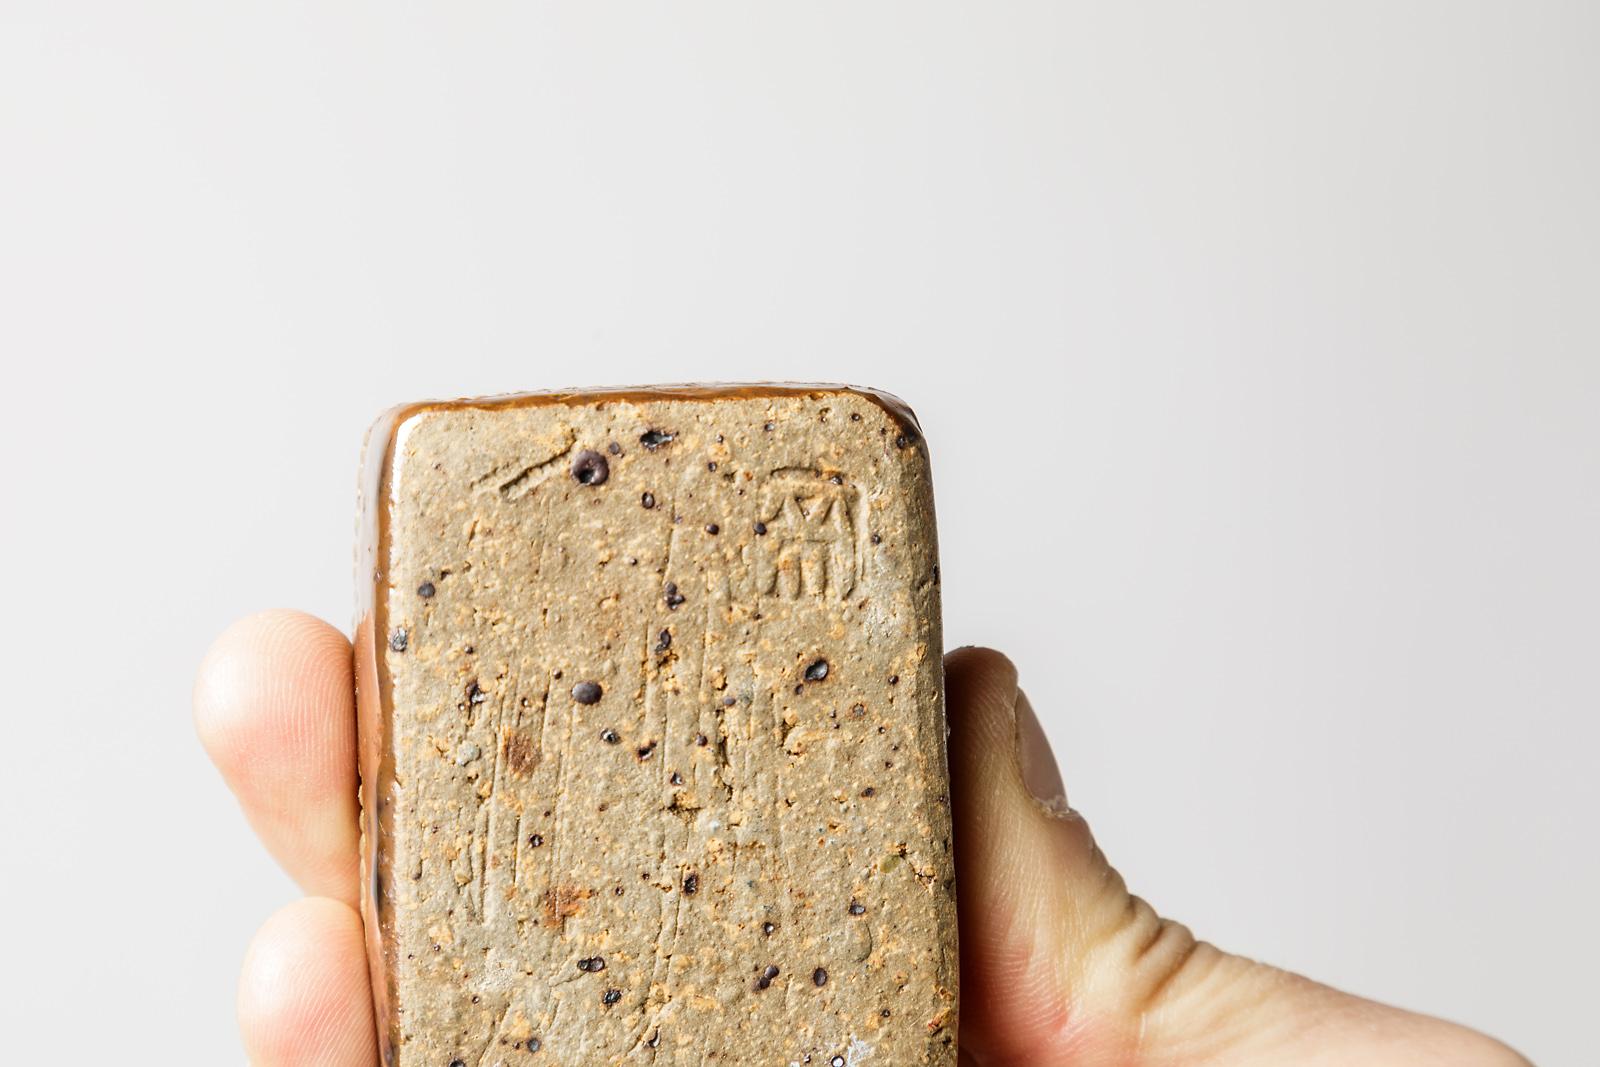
{"x": 893, "y": 406}
{"x": 374, "y": 702}
{"x": 375, "y": 709}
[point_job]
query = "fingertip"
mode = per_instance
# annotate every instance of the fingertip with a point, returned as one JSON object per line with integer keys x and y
{"x": 980, "y": 695}
{"x": 304, "y": 997}
{"x": 274, "y": 707}
{"x": 970, "y": 663}
{"x": 274, "y": 684}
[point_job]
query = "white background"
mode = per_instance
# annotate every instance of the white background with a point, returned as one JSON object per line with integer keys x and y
{"x": 1257, "y": 346}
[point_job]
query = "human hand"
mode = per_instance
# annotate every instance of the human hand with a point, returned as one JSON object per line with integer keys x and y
{"x": 1060, "y": 965}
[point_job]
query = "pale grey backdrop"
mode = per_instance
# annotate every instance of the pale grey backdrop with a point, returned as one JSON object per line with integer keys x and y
{"x": 1257, "y": 346}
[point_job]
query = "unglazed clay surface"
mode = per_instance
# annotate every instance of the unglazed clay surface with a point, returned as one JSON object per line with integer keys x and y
{"x": 653, "y": 762}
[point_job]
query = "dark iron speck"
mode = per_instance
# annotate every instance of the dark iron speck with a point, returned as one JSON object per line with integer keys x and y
{"x": 590, "y": 468}
{"x": 654, "y": 439}
{"x": 425, "y": 590}
{"x": 819, "y": 977}
{"x": 817, "y": 671}
{"x": 399, "y": 639}
{"x": 648, "y": 500}
{"x": 587, "y": 692}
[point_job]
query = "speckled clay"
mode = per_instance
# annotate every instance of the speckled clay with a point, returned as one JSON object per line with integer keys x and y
{"x": 653, "y": 763}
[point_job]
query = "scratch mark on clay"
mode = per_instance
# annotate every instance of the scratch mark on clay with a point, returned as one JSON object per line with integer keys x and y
{"x": 494, "y": 1034}
{"x": 530, "y": 476}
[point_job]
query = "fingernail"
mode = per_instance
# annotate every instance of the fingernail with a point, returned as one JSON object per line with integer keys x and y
{"x": 1040, "y": 772}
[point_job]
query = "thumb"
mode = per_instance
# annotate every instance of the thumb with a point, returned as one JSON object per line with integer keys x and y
{"x": 1062, "y": 967}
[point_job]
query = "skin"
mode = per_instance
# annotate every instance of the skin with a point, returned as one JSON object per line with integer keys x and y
{"x": 1060, "y": 965}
